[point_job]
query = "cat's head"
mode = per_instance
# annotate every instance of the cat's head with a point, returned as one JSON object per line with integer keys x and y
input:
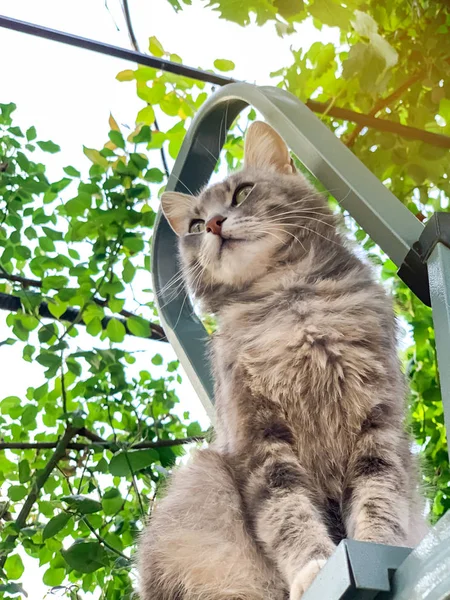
{"x": 235, "y": 231}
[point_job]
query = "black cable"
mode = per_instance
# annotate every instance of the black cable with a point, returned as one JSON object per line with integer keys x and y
{"x": 108, "y": 49}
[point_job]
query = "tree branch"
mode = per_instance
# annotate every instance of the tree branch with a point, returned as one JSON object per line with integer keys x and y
{"x": 24, "y": 281}
{"x": 384, "y": 102}
{"x": 412, "y": 133}
{"x": 99, "y": 445}
{"x": 60, "y": 450}
{"x": 14, "y": 304}
{"x": 37, "y": 283}
{"x": 135, "y": 44}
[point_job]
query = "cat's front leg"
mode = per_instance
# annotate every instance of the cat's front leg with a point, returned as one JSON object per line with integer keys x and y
{"x": 285, "y": 517}
{"x": 375, "y": 500}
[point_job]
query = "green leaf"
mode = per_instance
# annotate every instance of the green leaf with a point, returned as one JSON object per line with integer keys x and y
{"x": 78, "y": 205}
{"x": 56, "y": 307}
{"x": 85, "y": 556}
{"x": 17, "y": 492}
{"x": 49, "y": 147}
{"x": 94, "y": 327}
{"x": 224, "y": 65}
{"x": 54, "y": 282}
{"x": 116, "y": 331}
{"x": 82, "y": 504}
{"x": 331, "y": 13}
{"x": 154, "y": 176}
{"x": 95, "y": 157}
{"x": 444, "y": 109}
{"x": 16, "y": 131}
{"x": 129, "y": 271}
{"x": 194, "y": 429}
{"x": 146, "y": 115}
{"x": 14, "y": 567}
{"x": 365, "y": 64}
{"x": 55, "y": 525}
{"x": 139, "y": 326}
{"x": 24, "y": 471}
{"x": 14, "y": 589}
{"x": 54, "y": 577}
{"x": 155, "y": 47}
{"x": 134, "y": 244}
{"x": 136, "y": 459}
{"x": 31, "y": 133}
{"x": 144, "y": 135}
{"x": 9, "y": 403}
{"x": 127, "y": 75}
{"x": 141, "y": 161}
{"x": 157, "y": 359}
{"x": 116, "y": 138}
{"x": 71, "y": 171}
{"x": 48, "y": 359}
{"x": 170, "y": 104}
{"x": 112, "y": 501}
{"x": 29, "y": 414}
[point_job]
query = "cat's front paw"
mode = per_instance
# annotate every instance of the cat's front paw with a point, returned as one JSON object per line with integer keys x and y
{"x": 305, "y": 578}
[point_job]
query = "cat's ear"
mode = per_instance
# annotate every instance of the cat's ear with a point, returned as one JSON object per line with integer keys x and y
{"x": 176, "y": 208}
{"x": 265, "y": 149}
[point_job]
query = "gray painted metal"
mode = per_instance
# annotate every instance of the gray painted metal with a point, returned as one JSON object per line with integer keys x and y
{"x": 377, "y": 211}
{"x": 357, "y": 571}
{"x": 439, "y": 276}
{"x": 425, "y": 574}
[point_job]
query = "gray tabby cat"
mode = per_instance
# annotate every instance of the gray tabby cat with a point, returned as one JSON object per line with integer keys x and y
{"x": 310, "y": 446}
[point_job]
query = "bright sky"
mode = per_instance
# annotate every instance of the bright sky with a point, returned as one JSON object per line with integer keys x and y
{"x": 68, "y": 94}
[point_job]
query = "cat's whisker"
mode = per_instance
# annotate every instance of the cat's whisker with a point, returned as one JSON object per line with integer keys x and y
{"x": 190, "y": 273}
{"x": 308, "y": 217}
{"x": 264, "y": 231}
{"x": 208, "y": 151}
{"x": 322, "y": 236}
{"x": 307, "y": 210}
{"x": 288, "y": 233}
{"x": 172, "y": 281}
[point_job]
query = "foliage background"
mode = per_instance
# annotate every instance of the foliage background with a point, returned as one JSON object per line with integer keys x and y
{"x": 82, "y": 245}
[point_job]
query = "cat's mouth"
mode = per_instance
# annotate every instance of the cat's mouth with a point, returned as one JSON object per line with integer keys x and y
{"x": 229, "y": 243}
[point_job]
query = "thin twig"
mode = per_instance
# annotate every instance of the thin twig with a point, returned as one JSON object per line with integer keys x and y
{"x": 135, "y": 44}
{"x": 80, "y": 485}
{"x": 136, "y": 489}
{"x": 102, "y": 540}
{"x": 384, "y": 102}
{"x": 63, "y": 384}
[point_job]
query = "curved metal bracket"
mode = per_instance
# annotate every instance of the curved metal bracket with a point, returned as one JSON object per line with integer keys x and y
{"x": 371, "y": 204}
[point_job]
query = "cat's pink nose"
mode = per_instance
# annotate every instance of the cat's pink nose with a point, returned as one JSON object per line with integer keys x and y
{"x": 214, "y": 225}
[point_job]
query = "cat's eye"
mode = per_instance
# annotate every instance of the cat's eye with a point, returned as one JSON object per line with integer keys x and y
{"x": 196, "y": 226}
{"x": 241, "y": 193}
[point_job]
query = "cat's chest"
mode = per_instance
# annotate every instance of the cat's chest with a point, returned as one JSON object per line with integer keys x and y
{"x": 309, "y": 355}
